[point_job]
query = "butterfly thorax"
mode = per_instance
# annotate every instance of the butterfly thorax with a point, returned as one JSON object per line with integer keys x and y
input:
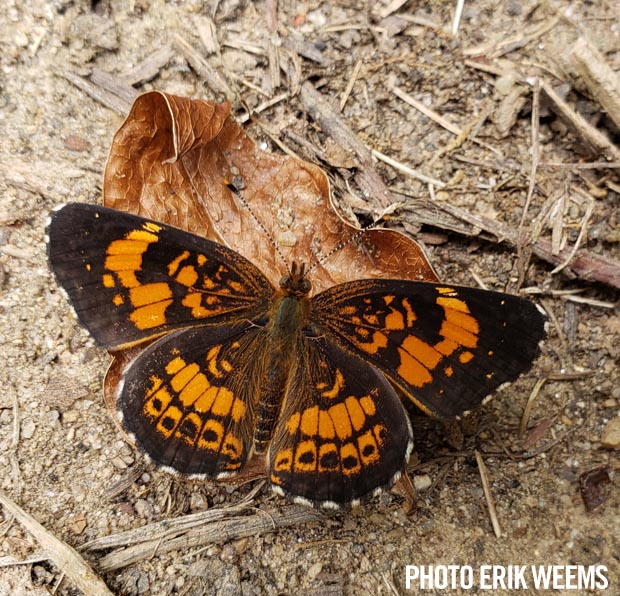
{"x": 288, "y": 317}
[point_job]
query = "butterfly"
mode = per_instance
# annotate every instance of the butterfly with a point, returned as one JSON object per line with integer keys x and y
{"x": 234, "y": 367}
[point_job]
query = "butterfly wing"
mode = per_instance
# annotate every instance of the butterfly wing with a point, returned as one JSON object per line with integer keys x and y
{"x": 189, "y": 399}
{"x": 342, "y": 432}
{"x": 446, "y": 347}
{"x": 131, "y": 279}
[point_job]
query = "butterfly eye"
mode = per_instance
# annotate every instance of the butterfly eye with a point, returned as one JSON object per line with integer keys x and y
{"x": 305, "y": 286}
{"x": 285, "y": 282}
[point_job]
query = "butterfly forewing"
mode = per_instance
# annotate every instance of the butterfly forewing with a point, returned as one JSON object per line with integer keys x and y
{"x": 131, "y": 279}
{"x": 342, "y": 432}
{"x": 446, "y": 347}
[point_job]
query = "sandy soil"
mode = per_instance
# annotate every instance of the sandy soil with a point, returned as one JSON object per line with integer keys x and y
{"x": 59, "y": 448}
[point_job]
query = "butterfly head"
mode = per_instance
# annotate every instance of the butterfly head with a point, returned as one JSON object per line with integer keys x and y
{"x": 295, "y": 282}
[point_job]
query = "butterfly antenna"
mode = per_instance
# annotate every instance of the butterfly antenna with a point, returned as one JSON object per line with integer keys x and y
{"x": 358, "y": 234}
{"x": 235, "y": 187}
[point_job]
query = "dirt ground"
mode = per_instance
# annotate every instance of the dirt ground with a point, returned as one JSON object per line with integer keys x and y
{"x": 60, "y": 451}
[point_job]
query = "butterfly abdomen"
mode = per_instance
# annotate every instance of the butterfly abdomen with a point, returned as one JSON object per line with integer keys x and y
{"x": 287, "y": 320}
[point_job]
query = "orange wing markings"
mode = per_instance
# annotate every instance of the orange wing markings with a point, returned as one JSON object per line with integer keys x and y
{"x": 340, "y": 438}
{"x": 193, "y": 409}
{"x": 151, "y": 315}
{"x": 124, "y": 256}
{"x": 417, "y": 356}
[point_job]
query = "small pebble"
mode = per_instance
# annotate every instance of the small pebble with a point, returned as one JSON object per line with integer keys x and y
{"x": 314, "y": 570}
{"x": 422, "y": 482}
{"x": 71, "y": 416}
{"x": 28, "y": 428}
{"x": 610, "y": 436}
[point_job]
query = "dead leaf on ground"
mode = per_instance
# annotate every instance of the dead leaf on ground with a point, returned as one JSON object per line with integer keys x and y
{"x": 171, "y": 159}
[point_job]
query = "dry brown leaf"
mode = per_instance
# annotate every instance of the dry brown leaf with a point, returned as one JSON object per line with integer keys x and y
{"x": 171, "y": 160}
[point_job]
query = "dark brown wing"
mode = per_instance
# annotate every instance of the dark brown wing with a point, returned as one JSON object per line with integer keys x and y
{"x": 342, "y": 432}
{"x": 189, "y": 399}
{"x": 131, "y": 279}
{"x": 446, "y": 347}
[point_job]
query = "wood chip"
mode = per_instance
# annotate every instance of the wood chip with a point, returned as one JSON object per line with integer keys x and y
{"x": 148, "y": 69}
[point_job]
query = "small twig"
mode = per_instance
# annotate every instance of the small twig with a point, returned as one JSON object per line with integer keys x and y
{"x": 592, "y": 138}
{"x": 428, "y": 112}
{"x": 331, "y": 121}
{"x": 236, "y": 527}
{"x": 389, "y": 584}
{"x": 247, "y": 83}
{"x": 478, "y": 280}
{"x": 10, "y": 561}
{"x": 529, "y": 406}
{"x": 461, "y": 133}
{"x": 391, "y": 8}
{"x": 458, "y": 13}
{"x": 585, "y": 264}
{"x": 124, "y": 483}
{"x": 60, "y": 553}
{"x": 407, "y": 170}
{"x": 115, "y": 85}
{"x": 584, "y": 225}
{"x": 263, "y": 106}
{"x": 98, "y": 93}
{"x": 535, "y": 150}
{"x": 590, "y": 301}
{"x": 575, "y": 165}
{"x": 148, "y": 69}
{"x": 497, "y": 48}
{"x": 527, "y": 412}
{"x": 486, "y": 487}
{"x": 207, "y": 31}
{"x": 245, "y": 46}
{"x": 354, "y": 75}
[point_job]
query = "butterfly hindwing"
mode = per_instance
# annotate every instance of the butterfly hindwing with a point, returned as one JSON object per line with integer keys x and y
{"x": 342, "y": 432}
{"x": 189, "y": 399}
{"x": 446, "y": 347}
{"x": 131, "y": 279}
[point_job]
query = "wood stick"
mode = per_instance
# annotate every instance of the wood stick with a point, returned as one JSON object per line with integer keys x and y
{"x": 330, "y": 120}
{"x": 61, "y": 554}
{"x": 593, "y": 139}
{"x": 600, "y": 79}
{"x": 220, "y": 531}
{"x": 584, "y": 264}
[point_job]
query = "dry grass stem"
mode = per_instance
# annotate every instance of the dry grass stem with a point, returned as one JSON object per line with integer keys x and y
{"x": 458, "y": 13}
{"x": 354, "y": 75}
{"x": 486, "y": 487}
